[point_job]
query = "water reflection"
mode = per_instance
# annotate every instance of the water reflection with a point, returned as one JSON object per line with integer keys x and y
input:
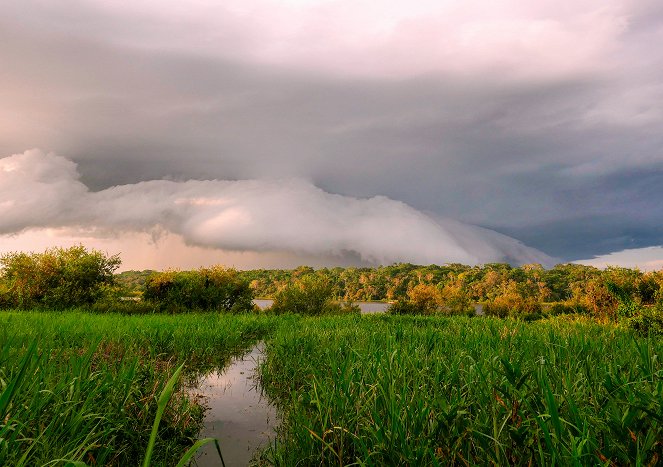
{"x": 239, "y": 416}
{"x": 365, "y": 307}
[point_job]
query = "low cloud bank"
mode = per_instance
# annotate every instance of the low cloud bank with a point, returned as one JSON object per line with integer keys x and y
{"x": 40, "y": 190}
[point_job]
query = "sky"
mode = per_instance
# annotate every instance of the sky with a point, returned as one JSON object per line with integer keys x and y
{"x": 264, "y": 133}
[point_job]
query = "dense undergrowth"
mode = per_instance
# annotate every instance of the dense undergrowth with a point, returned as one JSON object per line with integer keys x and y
{"x": 387, "y": 390}
{"x": 81, "y": 387}
{"x": 367, "y": 390}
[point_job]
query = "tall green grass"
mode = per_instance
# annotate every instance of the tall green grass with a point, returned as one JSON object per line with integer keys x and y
{"x": 369, "y": 390}
{"x": 385, "y": 390}
{"x": 85, "y": 388}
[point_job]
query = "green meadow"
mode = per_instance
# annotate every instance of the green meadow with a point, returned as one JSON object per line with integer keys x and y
{"x": 365, "y": 390}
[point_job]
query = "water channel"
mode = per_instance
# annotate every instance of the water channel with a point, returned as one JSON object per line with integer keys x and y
{"x": 238, "y": 414}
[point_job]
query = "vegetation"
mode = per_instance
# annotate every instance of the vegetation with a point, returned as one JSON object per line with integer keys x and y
{"x": 385, "y": 390}
{"x": 214, "y": 288}
{"x": 310, "y": 296}
{"x": 85, "y": 387}
{"x": 582, "y": 385}
{"x": 58, "y": 278}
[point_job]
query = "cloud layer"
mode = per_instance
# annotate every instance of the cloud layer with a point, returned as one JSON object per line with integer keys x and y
{"x": 41, "y": 190}
{"x": 534, "y": 119}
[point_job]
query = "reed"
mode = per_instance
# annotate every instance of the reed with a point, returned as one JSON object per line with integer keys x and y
{"x": 83, "y": 388}
{"x": 389, "y": 390}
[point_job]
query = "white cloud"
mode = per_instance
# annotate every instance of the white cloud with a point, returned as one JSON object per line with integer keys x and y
{"x": 646, "y": 259}
{"x": 41, "y": 190}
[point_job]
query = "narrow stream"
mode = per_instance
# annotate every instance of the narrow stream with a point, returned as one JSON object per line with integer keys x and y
{"x": 238, "y": 415}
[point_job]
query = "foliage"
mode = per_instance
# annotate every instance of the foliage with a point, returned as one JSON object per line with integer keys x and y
{"x": 513, "y": 301}
{"x": 647, "y": 322}
{"x": 58, "y": 278}
{"x": 455, "y": 297}
{"x": 308, "y": 295}
{"x": 579, "y": 287}
{"x": 403, "y": 307}
{"x": 565, "y": 308}
{"x": 206, "y": 289}
{"x": 133, "y": 282}
{"x": 426, "y": 299}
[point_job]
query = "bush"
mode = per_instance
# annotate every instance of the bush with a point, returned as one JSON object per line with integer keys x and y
{"x": 345, "y": 308}
{"x": 58, "y": 278}
{"x": 647, "y": 322}
{"x": 427, "y": 299}
{"x": 566, "y": 308}
{"x": 403, "y": 307}
{"x": 456, "y": 299}
{"x": 206, "y": 289}
{"x": 309, "y": 295}
{"x": 513, "y": 305}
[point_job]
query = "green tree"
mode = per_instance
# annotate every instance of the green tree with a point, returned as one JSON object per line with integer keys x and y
{"x": 215, "y": 288}
{"x": 58, "y": 278}
{"x": 310, "y": 295}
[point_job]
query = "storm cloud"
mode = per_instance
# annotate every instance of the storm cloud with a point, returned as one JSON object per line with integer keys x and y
{"x": 42, "y": 190}
{"x": 539, "y": 121}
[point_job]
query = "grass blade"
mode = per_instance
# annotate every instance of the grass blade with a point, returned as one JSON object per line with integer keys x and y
{"x": 193, "y": 449}
{"x": 165, "y": 396}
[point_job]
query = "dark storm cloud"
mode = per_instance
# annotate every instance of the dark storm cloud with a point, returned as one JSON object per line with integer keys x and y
{"x": 568, "y": 162}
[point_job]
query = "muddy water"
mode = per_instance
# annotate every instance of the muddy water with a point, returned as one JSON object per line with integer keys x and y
{"x": 239, "y": 416}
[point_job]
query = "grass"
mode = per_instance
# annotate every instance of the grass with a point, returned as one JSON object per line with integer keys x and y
{"x": 383, "y": 390}
{"x": 364, "y": 390}
{"x": 83, "y": 387}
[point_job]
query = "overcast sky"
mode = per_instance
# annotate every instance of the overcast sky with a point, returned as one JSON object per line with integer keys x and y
{"x": 334, "y": 131}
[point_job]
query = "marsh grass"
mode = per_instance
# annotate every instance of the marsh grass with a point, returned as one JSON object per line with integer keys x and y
{"x": 388, "y": 390}
{"x": 76, "y": 387}
{"x": 366, "y": 390}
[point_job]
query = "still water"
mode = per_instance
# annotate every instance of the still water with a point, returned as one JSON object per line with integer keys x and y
{"x": 238, "y": 415}
{"x": 366, "y": 307}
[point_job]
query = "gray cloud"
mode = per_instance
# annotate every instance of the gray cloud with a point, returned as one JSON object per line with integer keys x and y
{"x": 246, "y": 215}
{"x": 567, "y": 161}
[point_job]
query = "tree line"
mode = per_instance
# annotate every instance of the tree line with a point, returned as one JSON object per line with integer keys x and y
{"x": 75, "y": 277}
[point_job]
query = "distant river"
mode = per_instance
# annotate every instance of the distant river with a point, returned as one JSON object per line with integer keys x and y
{"x": 365, "y": 307}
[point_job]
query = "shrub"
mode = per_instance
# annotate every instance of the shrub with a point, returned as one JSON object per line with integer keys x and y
{"x": 58, "y": 278}
{"x": 344, "y": 308}
{"x": 423, "y": 300}
{"x": 513, "y": 305}
{"x": 426, "y": 298}
{"x": 647, "y": 322}
{"x": 215, "y": 288}
{"x": 403, "y": 307}
{"x": 456, "y": 299}
{"x": 566, "y": 308}
{"x": 310, "y": 295}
